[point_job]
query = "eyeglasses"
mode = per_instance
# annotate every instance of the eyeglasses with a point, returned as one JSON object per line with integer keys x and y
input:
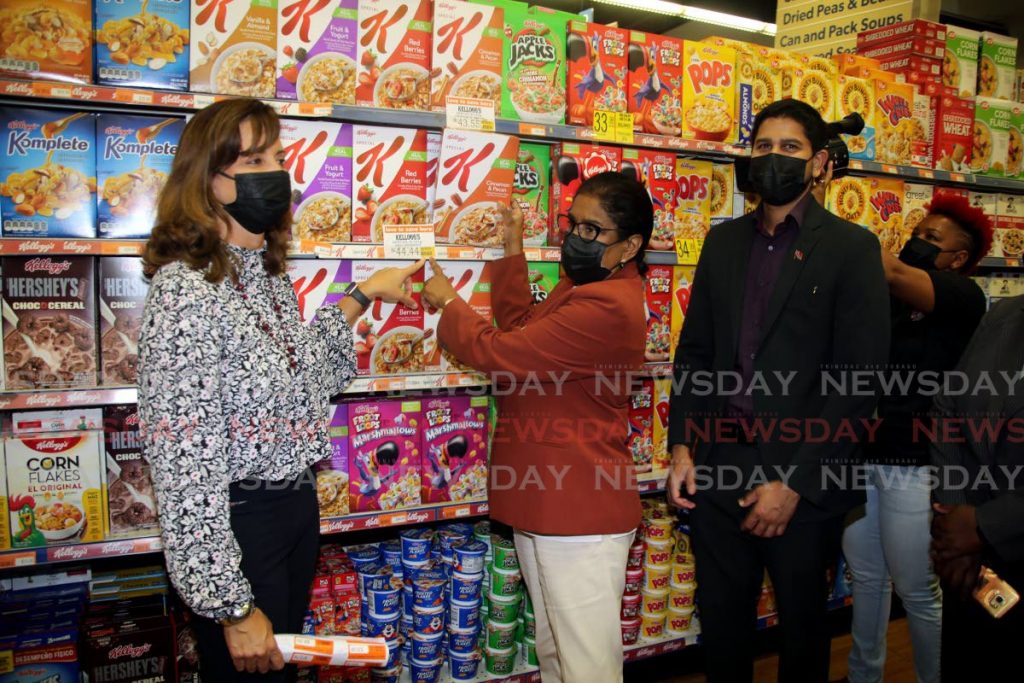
{"x": 588, "y": 232}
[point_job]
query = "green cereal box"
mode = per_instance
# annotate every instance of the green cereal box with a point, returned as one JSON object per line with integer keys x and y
{"x": 530, "y": 190}
{"x": 960, "y": 63}
{"x": 991, "y": 135}
{"x": 1015, "y": 148}
{"x": 997, "y": 64}
{"x": 542, "y": 278}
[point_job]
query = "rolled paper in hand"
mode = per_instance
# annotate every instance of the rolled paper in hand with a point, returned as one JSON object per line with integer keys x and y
{"x": 332, "y": 650}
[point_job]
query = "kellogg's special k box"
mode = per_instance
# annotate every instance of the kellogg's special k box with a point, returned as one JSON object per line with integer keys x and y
{"x": 316, "y": 50}
{"x": 467, "y": 49}
{"x": 389, "y": 337}
{"x": 234, "y": 47}
{"x": 318, "y": 156}
{"x": 389, "y": 187}
{"x": 472, "y": 283}
{"x": 394, "y": 54}
{"x": 318, "y": 283}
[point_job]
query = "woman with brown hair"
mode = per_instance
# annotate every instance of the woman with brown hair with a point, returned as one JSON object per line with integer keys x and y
{"x": 233, "y": 389}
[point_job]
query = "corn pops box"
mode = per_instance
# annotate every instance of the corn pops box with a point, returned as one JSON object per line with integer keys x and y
{"x": 389, "y": 337}
{"x": 997, "y": 66}
{"x": 455, "y": 431}
{"x": 723, "y": 180}
{"x": 318, "y": 156}
{"x": 134, "y": 156}
{"x": 389, "y": 188}
{"x": 658, "y": 302}
{"x": 531, "y": 190}
{"x": 857, "y": 95}
{"x": 332, "y": 475}
{"x": 123, "y": 292}
{"x": 885, "y": 212}
{"x": 817, "y": 88}
{"x": 50, "y": 41}
{"x": 47, "y": 173}
{"x": 661, "y": 458}
{"x": 542, "y": 278}
{"x": 597, "y": 77}
{"x": 693, "y": 200}
{"x": 657, "y": 171}
{"x": 682, "y": 281}
{"x": 640, "y": 442}
{"x": 472, "y": 282}
{"x": 316, "y": 50}
{"x": 759, "y": 83}
{"x": 571, "y": 165}
{"x": 318, "y": 283}
{"x": 656, "y": 83}
{"x": 475, "y": 177}
{"x": 467, "y": 48}
{"x": 960, "y": 62}
{"x": 991, "y": 135}
{"x": 534, "y": 63}
{"x": 709, "y": 92}
{"x": 894, "y": 123}
{"x": 916, "y": 198}
{"x": 848, "y": 198}
{"x": 394, "y": 54}
{"x": 234, "y": 51}
{"x": 384, "y": 455}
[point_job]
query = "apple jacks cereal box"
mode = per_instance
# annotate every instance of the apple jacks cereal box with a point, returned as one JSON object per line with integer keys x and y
{"x": 318, "y": 283}
{"x": 534, "y": 63}
{"x": 49, "y": 40}
{"x": 693, "y": 200}
{"x": 234, "y": 47}
{"x": 571, "y": 165}
{"x": 885, "y": 213}
{"x": 542, "y": 279}
{"x": 318, "y": 156}
{"x": 389, "y": 337}
{"x": 394, "y": 54}
{"x": 894, "y": 123}
{"x": 455, "y": 449}
{"x": 709, "y": 92}
{"x": 597, "y": 79}
{"x": 472, "y": 282}
{"x": 997, "y": 66}
{"x": 658, "y": 302}
{"x": 657, "y": 171}
{"x": 467, "y": 49}
{"x": 960, "y": 62}
{"x": 389, "y": 188}
{"x": 857, "y": 96}
{"x": 640, "y": 442}
{"x": 656, "y": 83}
{"x": 142, "y": 43}
{"x": 123, "y": 292}
{"x": 316, "y": 50}
{"x": 332, "y": 475}
{"x": 384, "y": 455}
{"x": 531, "y": 190}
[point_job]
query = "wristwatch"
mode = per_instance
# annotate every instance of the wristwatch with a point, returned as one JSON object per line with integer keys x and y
{"x": 238, "y": 614}
{"x": 353, "y": 291}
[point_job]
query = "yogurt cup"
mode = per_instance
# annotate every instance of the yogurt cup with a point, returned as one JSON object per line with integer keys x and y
{"x": 506, "y": 582}
{"x": 654, "y": 602}
{"x": 530, "y": 652}
{"x": 427, "y": 647}
{"x": 501, "y": 636}
{"x": 656, "y": 578}
{"x": 426, "y": 671}
{"x": 631, "y": 606}
{"x": 463, "y": 641}
{"x": 384, "y": 603}
{"x": 634, "y": 580}
{"x": 469, "y": 556}
{"x": 504, "y": 609}
{"x": 652, "y": 626}
{"x": 383, "y": 627}
{"x": 683, "y": 574}
{"x": 362, "y": 555}
{"x": 428, "y": 622}
{"x": 464, "y": 615}
{"x": 504, "y": 552}
{"x": 464, "y": 666}
{"x": 658, "y": 554}
{"x": 416, "y": 545}
{"x": 466, "y": 587}
{"x": 679, "y": 600}
{"x": 394, "y": 654}
{"x": 428, "y": 589}
{"x": 482, "y": 531}
{"x": 678, "y": 623}
{"x": 631, "y": 631}
{"x": 374, "y": 576}
{"x": 500, "y": 662}
{"x": 529, "y": 628}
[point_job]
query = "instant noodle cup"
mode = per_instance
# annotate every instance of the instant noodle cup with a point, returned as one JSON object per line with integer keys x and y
{"x": 631, "y": 606}
{"x": 658, "y": 553}
{"x": 463, "y": 665}
{"x": 656, "y": 578}
{"x": 681, "y": 598}
{"x": 631, "y": 630}
{"x": 501, "y": 636}
{"x": 500, "y": 662}
{"x": 634, "y": 580}
{"x": 466, "y": 587}
{"x": 506, "y": 582}
{"x": 427, "y": 647}
{"x": 384, "y": 603}
{"x": 426, "y": 622}
{"x": 428, "y": 588}
{"x": 464, "y": 615}
{"x": 504, "y": 608}
{"x": 426, "y": 671}
{"x": 463, "y": 641}
{"x": 505, "y": 556}
{"x": 416, "y": 545}
{"x": 678, "y": 623}
{"x": 530, "y": 652}
{"x": 683, "y": 574}
{"x": 469, "y": 557}
{"x": 652, "y": 626}
{"x": 654, "y": 602}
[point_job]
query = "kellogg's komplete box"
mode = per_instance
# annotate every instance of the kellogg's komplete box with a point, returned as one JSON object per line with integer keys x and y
{"x": 142, "y": 43}
{"x": 123, "y": 292}
{"x": 51, "y": 40}
{"x": 131, "y": 500}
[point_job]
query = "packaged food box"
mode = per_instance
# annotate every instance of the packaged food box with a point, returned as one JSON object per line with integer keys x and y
{"x": 657, "y": 171}
{"x": 542, "y": 278}
{"x": 389, "y": 337}
{"x": 709, "y": 92}
{"x": 384, "y": 455}
{"x": 656, "y": 83}
{"x": 389, "y": 167}
{"x": 885, "y": 212}
{"x": 131, "y": 500}
{"x": 131, "y": 651}
{"x": 133, "y": 160}
{"x": 988, "y": 202}
{"x": 534, "y": 59}
{"x": 46, "y": 40}
{"x": 475, "y": 177}
{"x": 915, "y": 28}
{"x": 318, "y": 157}
{"x": 1015, "y": 152}
{"x": 123, "y": 290}
{"x": 332, "y": 478}
{"x": 531, "y": 190}
{"x": 318, "y": 283}
{"x": 467, "y": 50}
{"x": 954, "y": 134}
{"x": 317, "y": 51}
{"x": 48, "y": 421}
{"x": 55, "y": 489}
{"x": 848, "y": 198}
{"x": 571, "y": 165}
{"x": 142, "y": 43}
{"x": 759, "y": 82}
{"x": 455, "y": 433}
{"x": 658, "y": 302}
{"x": 5, "y": 519}
{"x": 740, "y": 46}
{"x": 919, "y": 79}
{"x": 991, "y": 135}
{"x": 857, "y": 95}
{"x": 394, "y": 54}
{"x": 922, "y": 152}
{"x": 433, "y": 157}
{"x": 916, "y": 197}
{"x": 816, "y": 88}
{"x": 930, "y": 66}
{"x": 597, "y": 76}
{"x": 849, "y": 63}
{"x": 894, "y": 123}
{"x": 48, "y": 173}
{"x": 682, "y": 281}
{"x": 815, "y": 63}
{"x": 903, "y": 47}
{"x": 234, "y": 48}
{"x": 693, "y": 201}
{"x": 50, "y": 341}
{"x": 1010, "y": 222}
{"x": 960, "y": 62}
{"x": 37, "y": 661}
{"x": 997, "y": 64}
{"x": 723, "y": 180}
{"x": 661, "y": 457}
{"x": 640, "y": 442}
{"x": 472, "y": 282}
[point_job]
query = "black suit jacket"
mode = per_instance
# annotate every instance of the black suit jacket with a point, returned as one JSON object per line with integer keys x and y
{"x": 829, "y": 312}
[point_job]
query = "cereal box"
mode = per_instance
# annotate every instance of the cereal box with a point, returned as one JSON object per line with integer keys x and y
{"x": 472, "y": 282}
{"x": 390, "y": 169}
{"x": 597, "y": 76}
{"x": 55, "y": 488}
{"x": 133, "y": 159}
{"x": 571, "y": 165}
{"x": 989, "y": 203}
{"x": 903, "y": 47}
{"x": 531, "y": 189}
{"x": 316, "y": 51}
{"x": 389, "y": 337}
{"x": 475, "y": 177}
{"x": 661, "y": 457}
{"x": 894, "y": 123}
{"x": 394, "y": 54}
{"x": 903, "y": 30}
{"x": 658, "y": 302}
{"x": 5, "y": 519}
{"x": 885, "y": 212}
{"x": 913, "y": 62}
{"x": 656, "y": 83}
{"x": 682, "y": 281}
{"x": 455, "y": 432}
{"x": 123, "y": 292}
{"x": 1015, "y": 152}
{"x": 850, "y": 64}
{"x": 534, "y": 63}
{"x": 693, "y": 200}
{"x": 48, "y": 421}
{"x": 1010, "y": 221}
{"x": 234, "y": 50}
{"x": 759, "y": 84}
{"x": 857, "y": 95}
{"x": 997, "y": 66}
{"x": 916, "y": 197}
{"x": 48, "y": 173}
{"x": 991, "y": 135}
{"x": 816, "y": 88}
{"x": 467, "y": 48}
{"x": 723, "y": 180}
{"x": 960, "y": 62}
{"x": 50, "y": 340}
{"x": 46, "y": 40}
{"x": 131, "y": 501}
{"x": 332, "y": 483}
{"x": 923, "y": 143}
{"x": 318, "y": 283}
{"x": 384, "y": 455}
{"x": 848, "y": 198}
{"x": 709, "y": 92}
{"x": 433, "y": 157}
{"x": 142, "y": 43}
{"x": 823, "y": 64}
{"x": 740, "y": 46}
{"x": 640, "y": 442}
{"x": 318, "y": 156}
{"x": 657, "y": 171}
{"x": 954, "y": 134}
{"x": 542, "y": 278}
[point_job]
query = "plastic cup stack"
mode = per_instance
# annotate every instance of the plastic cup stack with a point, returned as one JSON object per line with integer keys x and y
{"x": 464, "y": 593}
{"x": 682, "y": 585}
{"x": 504, "y": 630}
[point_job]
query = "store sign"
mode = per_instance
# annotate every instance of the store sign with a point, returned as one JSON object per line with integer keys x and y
{"x": 828, "y": 27}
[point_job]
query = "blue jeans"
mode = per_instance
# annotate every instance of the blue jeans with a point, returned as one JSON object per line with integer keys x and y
{"x": 891, "y": 540}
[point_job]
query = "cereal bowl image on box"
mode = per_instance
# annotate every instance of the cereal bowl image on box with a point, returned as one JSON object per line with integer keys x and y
{"x": 142, "y": 43}
{"x": 468, "y": 40}
{"x": 394, "y": 54}
{"x": 318, "y": 157}
{"x": 455, "y": 448}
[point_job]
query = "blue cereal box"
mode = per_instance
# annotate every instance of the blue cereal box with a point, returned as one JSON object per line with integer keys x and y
{"x": 47, "y": 173}
{"x": 133, "y": 159}
{"x": 318, "y": 155}
{"x": 316, "y": 50}
{"x": 31, "y": 662}
{"x": 142, "y": 43}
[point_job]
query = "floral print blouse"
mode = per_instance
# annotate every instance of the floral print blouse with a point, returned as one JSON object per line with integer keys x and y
{"x": 219, "y": 402}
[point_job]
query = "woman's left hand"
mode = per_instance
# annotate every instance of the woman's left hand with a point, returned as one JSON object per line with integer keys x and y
{"x": 438, "y": 290}
{"x": 392, "y": 285}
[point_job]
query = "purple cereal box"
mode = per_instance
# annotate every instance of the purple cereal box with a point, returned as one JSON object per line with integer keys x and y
{"x": 318, "y": 283}
{"x": 318, "y": 155}
{"x": 455, "y": 449}
{"x": 332, "y": 474}
{"x": 384, "y": 455}
{"x": 316, "y": 51}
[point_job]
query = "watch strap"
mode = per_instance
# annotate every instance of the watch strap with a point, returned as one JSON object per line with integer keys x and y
{"x": 357, "y": 294}
{"x": 238, "y": 614}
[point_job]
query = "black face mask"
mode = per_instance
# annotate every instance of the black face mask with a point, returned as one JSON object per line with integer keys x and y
{"x": 261, "y": 199}
{"x": 582, "y": 259}
{"x": 919, "y": 253}
{"x": 778, "y": 178}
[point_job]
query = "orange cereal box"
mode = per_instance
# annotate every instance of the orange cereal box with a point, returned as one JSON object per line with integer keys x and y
{"x": 655, "y": 83}
{"x": 723, "y": 180}
{"x": 916, "y": 197}
{"x": 467, "y": 48}
{"x": 738, "y": 45}
{"x": 394, "y": 54}
{"x": 823, "y": 64}
{"x": 50, "y": 40}
{"x": 597, "y": 75}
{"x": 848, "y": 198}
{"x": 234, "y": 49}
{"x": 885, "y": 212}
{"x": 389, "y": 180}
{"x": 816, "y": 88}
{"x": 662, "y": 458}
{"x": 709, "y": 92}
{"x": 894, "y": 123}
{"x": 693, "y": 199}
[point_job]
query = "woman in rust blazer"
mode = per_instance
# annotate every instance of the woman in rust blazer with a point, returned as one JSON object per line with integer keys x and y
{"x": 560, "y": 472}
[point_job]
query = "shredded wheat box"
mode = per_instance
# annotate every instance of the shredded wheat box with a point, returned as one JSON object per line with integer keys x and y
{"x": 954, "y": 134}
{"x": 234, "y": 49}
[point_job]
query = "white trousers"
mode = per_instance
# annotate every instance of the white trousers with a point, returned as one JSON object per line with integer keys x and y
{"x": 576, "y": 587}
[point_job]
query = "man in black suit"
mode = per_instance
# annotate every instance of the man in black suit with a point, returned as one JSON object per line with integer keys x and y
{"x": 781, "y": 298}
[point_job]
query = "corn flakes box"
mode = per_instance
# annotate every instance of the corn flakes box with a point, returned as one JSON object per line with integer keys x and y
{"x": 56, "y": 488}
{"x": 693, "y": 199}
{"x": 395, "y": 38}
{"x": 142, "y": 43}
{"x": 467, "y": 48}
{"x": 542, "y": 278}
{"x": 857, "y": 95}
{"x": 318, "y": 283}
{"x": 640, "y": 442}
{"x": 682, "y": 281}
{"x": 454, "y": 460}
{"x": 48, "y": 173}
{"x": 388, "y": 338}
{"x": 661, "y": 458}
{"x": 991, "y": 145}
{"x": 317, "y": 50}
{"x": 46, "y": 40}
{"x": 658, "y": 302}
{"x": 656, "y": 170}
{"x": 318, "y": 157}
{"x": 597, "y": 76}
{"x": 531, "y": 190}
{"x": 656, "y": 83}
{"x": 885, "y": 212}
{"x": 848, "y": 198}
{"x": 916, "y": 198}
{"x": 816, "y": 88}
{"x": 723, "y": 179}
{"x": 332, "y": 474}
{"x": 534, "y": 63}
{"x": 954, "y": 134}
{"x": 997, "y": 66}
{"x": 235, "y": 47}
{"x": 123, "y": 290}
{"x": 1015, "y": 146}
{"x": 1010, "y": 226}
{"x": 133, "y": 160}
{"x": 709, "y": 92}
{"x": 759, "y": 83}
{"x": 960, "y": 61}
{"x": 384, "y": 455}
{"x": 472, "y": 282}
{"x": 894, "y": 123}
{"x": 923, "y": 143}
{"x": 389, "y": 180}
{"x": 475, "y": 178}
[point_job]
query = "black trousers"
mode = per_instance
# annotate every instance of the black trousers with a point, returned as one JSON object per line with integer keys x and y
{"x": 977, "y": 648}
{"x": 730, "y": 570}
{"x": 277, "y": 528}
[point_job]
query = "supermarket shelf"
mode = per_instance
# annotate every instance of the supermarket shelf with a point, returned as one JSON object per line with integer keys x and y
{"x": 927, "y": 175}
{"x": 584, "y": 134}
{"x": 76, "y": 398}
{"x": 652, "y": 482}
{"x": 454, "y": 380}
{"x": 420, "y": 515}
{"x": 648, "y": 649}
{"x": 997, "y": 262}
{"x": 443, "y": 253}
{"x": 70, "y": 247}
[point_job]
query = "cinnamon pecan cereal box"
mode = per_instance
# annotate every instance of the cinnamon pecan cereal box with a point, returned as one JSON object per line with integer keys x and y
{"x": 318, "y": 283}
{"x": 848, "y": 198}
{"x": 954, "y": 134}
{"x": 657, "y": 171}
{"x": 723, "y": 180}
{"x": 318, "y": 156}
{"x": 531, "y": 190}
{"x": 817, "y": 88}
{"x": 472, "y": 282}
{"x": 991, "y": 135}
{"x": 857, "y": 95}
{"x": 597, "y": 77}
{"x": 475, "y": 177}
{"x": 693, "y": 199}
{"x": 389, "y": 180}
{"x": 997, "y": 66}
{"x": 894, "y": 122}
{"x": 389, "y": 337}
{"x": 394, "y": 54}
{"x": 960, "y": 63}
{"x": 916, "y": 198}
{"x": 234, "y": 47}
{"x": 384, "y": 455}
{"x": 656, "y": 83}
{"x": 123, "y": 290}
{"x": 661, "y": 458}
{"x": 454, "y": 460}
{"x": 640, "y": 442}
{"x": 682, "y": 281}
{"x": 332, "y": 475}
{"x": 47, "y": 40}
{"x": 467, "y": 49}
{"x": 571, "y": 165}
{"x": 658, "y": 302}
{"x": 709, "y": 92}
{"x": 316, "y": 50}
{"x": 885, "y": 212}
{"x": 142, "y": 43}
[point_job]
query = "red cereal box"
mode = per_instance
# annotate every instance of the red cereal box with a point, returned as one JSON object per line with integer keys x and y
{"x": 389, "y": 337}
{"x": 954, "y": 134}
{"x": 656, "y": 83}
{"x": 906, "y": 63}
{"x": 923, "y": 143}
{"x": 467, "y": 48}
{"x": 389, "y": 186}
{"x": 658, "y": 302}
{"x": 657, "y": 171}
{"x": 916, "y": 28}
{"x": 916, "y": 45}
{"x": 571, "y": 165}
{"x": 640, "y": 441}
{"x": 597, "y": 71}
{"x": 394, "y": 54}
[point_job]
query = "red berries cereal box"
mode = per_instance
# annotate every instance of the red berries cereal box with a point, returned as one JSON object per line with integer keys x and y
{"x": 389, "y": 180}
{"x": 394, "y": 54}
{"x": 389, "y": 337}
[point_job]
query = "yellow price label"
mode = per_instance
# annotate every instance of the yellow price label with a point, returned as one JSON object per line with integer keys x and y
{"x": 613, "y": 127}
{"x": 688, "y": 251}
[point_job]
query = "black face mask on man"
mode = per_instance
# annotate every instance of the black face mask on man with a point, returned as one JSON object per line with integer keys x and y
{"x": 582, "y": 260}
{"x": 261, "y": 199}
{"x": 777, "y": 178}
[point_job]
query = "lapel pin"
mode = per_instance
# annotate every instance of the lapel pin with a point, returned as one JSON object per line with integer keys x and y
{"x": 798, "y": 255}
{"x": 814, "y": 290}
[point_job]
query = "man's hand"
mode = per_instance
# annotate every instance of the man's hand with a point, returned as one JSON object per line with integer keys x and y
{"x": 438, "y": 290}
{"x": 955, "y": 532}
{"x": 958, "y": 575}
{"x": 512, "y": 228}
{"x": 774, "y": 504}
{"x": 682, "y": 474}
{"x": 252, "y": 645}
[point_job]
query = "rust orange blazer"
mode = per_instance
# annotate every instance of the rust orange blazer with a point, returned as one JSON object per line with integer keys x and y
{"x": 559, "y": 464}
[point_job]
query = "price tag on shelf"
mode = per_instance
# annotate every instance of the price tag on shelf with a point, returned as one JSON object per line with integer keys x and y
{"x": 890, "y": 169}
{"x": 958, "y": 177}
{"x": 613, "y": 127}
{"x": 856, "y": 165}
{"x": 925, "y": 173}
{"x": 688, "y": 251}
{"x": 470, "y": 113}
{"x": 409, "y": 241}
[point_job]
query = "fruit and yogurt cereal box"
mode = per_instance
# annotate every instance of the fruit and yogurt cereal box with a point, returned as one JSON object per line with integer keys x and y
{"x": 693, "y": 200}
{"x": 857, "y": 95}
{"x": 658, "y": 302}
{"x": 885, "y": 212}
{"x": 467, "y": 49}
{"x": 318, "y": 156}
{"x": 384, "y": 455}
{"x": 454, "y": 463}
{"x": 389, "y": 337}
{"x": 916, "y": 198}
{"x": 640, "y": 442}
{"x": 530, "y": 190}
{"x": 234, "y": 47}
{"x": 997, "y": 66}
{"x": 318, "y": 283}
{"x": 656, "y": 83}
{"x": 394, "y": 54}
{"x": 657, "y": 171}
{"x": 316, "y": 50}
{"x": 123, "y": 292}
{"x": 991, "y": 144}
{"x": 709, "y": 92}
{"x": 46, "y": 40}
{"x": 597, "y": 77}
{"x": 571, "y": 165}
{"x": 131, "y": 500}
{"x": 472, "y": 282}
{"x": 534, "y": 63}
{"x": 960, "y": 62}
{"x": 332, "y": 475}
{"x": 894, "y": 123}
{"x": 389, "y": 180}
{"x": 142, "y": 43}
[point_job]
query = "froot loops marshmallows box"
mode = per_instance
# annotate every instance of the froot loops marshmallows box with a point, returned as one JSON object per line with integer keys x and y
{"x": 384, "y": 455}
{"x": 455, "y": 449}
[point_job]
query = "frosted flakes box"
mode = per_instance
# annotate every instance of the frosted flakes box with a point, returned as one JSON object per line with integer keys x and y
{"x": 597, "y": 76}
{"x": 885, "y": 212}
{"x": 472, "y": 282}
{"x": 318, "y": 283}
{"x": 656, "y": 83}
{"x": 389, "y": 337}
{"x": 709, "y": 92}
{"x": 49, "y": 40}
{"x": 142, "y": 43}
{"x": 848, "y": 198}
{"x": 916, "y": 198}
{"x": 693, "y": 199}
{"x": 894, "y": 123}
{"x": 316, "y": 50}
{"x": 123, "y": 290}
{"x": 640, "y": 442}
{"x": 394, "y": 54}
{"x": 534, "y": 69}
{"x": 384, "y": 455}
{"x": 234, "y": 47}
{"x": 657, "y": 171}
{"x": 455, "y": 432}
{"x": 332, "y": 475}
{"x": 997, "y": 66}
{"x": 857, "y": 95}
{"x": 318, "y": 157}
{"x": 47, "y": 173}
{"x": 661, "y": 457}
{"x": 960, "y": 62}
{"x": 531, "y": 190}
{"x": 131, "y": 500}
{"x": 467, "y": 49}
{"x": 723, "y": 180}
{"x": 991, "y": 135}
{"x": 658, "y": 302}
{"x": 954, "y": 134}
{"x": 133, "y": 160}
{"x": 389, "y": 187}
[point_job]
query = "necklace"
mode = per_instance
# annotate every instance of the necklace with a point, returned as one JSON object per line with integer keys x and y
{"x": 268, "y": 329}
